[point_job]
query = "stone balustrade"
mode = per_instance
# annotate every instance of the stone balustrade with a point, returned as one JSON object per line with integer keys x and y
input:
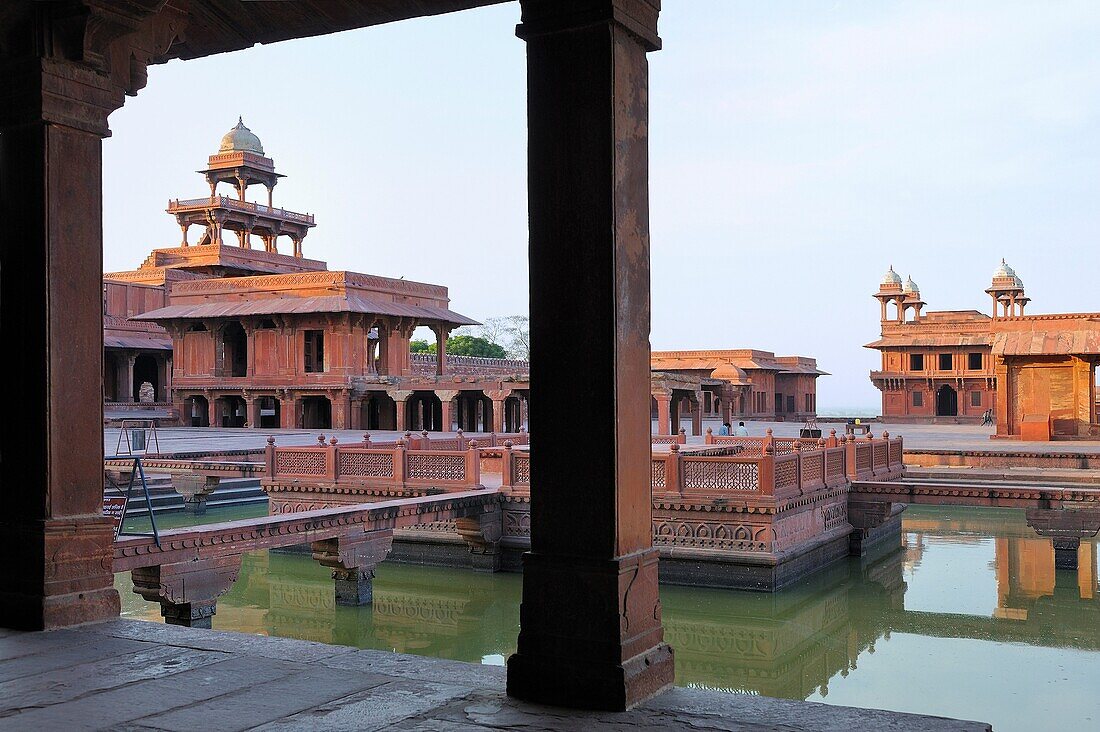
{"x": 365, "y": 464}
{"x": 774, "y": 466}
{"x": 680, "y": 438}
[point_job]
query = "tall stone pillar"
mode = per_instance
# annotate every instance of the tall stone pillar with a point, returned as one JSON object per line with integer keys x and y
{"x": 441, "y": 350}
{"x": 55, "y": 542}
{"x": 590, "y": 620}
{"x": 664, "y": 413}
{"x": 288, "y": 410}
{"x": 356, "y": 422}
{"x": 130, "y": 361}
{"x": 401, "y": 401}
{"x": 447, "y": 399}
{"x": 697, "y": 415}
{"x": 252, "y": 409}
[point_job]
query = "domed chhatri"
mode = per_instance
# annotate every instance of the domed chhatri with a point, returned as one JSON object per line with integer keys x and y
{"x": 241, "y": 139}
{"x": 891, "y": 277}
{"x": 1004, "y": 272}
{"x": 910, "y": 287}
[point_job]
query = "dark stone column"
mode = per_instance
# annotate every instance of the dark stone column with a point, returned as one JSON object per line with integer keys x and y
{"x": 1065, "y": 527}
{"x": 590, "y": 622}
{"x": 1065, "y": 552}
{"x": 55, "y": 542}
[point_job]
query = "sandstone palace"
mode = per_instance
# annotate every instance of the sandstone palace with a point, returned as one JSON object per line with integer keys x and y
{"x": 1035, "y": 374}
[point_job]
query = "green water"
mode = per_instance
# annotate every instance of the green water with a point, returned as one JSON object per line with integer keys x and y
{"x": 968, "y": 619}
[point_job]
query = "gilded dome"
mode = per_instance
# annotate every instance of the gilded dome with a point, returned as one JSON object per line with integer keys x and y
{"x": 891, "y": 277}
{"x": 241, "y": 139}
{"x": 910, "y": 287}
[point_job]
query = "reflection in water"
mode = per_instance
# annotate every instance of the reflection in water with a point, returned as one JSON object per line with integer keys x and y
{"x": 968, "y": 619}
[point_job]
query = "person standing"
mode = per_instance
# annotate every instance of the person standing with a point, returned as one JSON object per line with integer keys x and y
{"x": 742, "y": 430}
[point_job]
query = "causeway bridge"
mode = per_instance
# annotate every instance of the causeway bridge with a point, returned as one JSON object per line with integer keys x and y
{"x": 188, "y": 569}
{"x": 1066, "y": 513}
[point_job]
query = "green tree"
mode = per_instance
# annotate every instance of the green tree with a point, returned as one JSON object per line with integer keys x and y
{"x": 466, "y": 345}
{"x": 512, "y": 331}
{"x": 421, "y": 347}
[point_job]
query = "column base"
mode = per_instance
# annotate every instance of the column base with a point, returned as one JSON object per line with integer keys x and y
{"x": 485, "y": 561}
{"x": 189, "y": 615}
{"x": 1065, "y": 553}
{"x": 591, "y": 634}
{"x": 354, "y": 587}
{"x": 59, "y": 573}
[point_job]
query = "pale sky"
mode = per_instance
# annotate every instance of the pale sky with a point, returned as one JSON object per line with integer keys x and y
{"x": 797, "y": 150}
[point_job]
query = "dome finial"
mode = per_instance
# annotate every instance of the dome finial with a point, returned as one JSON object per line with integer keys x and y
{"x": 241, "y": 139}
{"x": 891, "y": 277}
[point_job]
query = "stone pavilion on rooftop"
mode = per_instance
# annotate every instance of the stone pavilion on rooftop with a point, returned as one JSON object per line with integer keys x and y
{"x": 263, "y": 338}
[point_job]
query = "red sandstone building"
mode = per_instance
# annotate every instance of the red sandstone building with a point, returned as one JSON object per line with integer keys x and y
{"x": 954, "y": 365}
{"x": 233, "y": 336}
{"x": 732, "y": 384}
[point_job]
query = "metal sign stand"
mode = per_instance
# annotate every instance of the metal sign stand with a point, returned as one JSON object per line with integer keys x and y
{"x": 138, "y": 470}
{"x": 136, "y": 424}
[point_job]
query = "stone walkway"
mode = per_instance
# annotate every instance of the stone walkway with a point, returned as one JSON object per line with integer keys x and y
{"x": 132, "y": 675}
{"x": 917, "y": 437}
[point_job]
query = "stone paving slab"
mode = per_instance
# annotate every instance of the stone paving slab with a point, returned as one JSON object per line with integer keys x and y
{"x": 254, "y": 705}
{"x": 262, "y": 646}
{"x": 62, "y": 684}
{"x": 467, "y": 675}
{"x": 381, "y": 708}
{"x": 149, "y": 676}
{"x": 110, "y": 708}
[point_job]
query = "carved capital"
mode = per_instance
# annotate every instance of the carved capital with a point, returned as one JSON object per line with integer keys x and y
{"x": 363, "y": 552}
{"x": 544, "y": 17}
{"x": 188, "y": 591}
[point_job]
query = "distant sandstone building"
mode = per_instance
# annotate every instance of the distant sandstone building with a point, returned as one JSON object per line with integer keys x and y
{"x": 217, "y": 333}
{"x": 1036, "y": 372}
{"x": 228, "y": 335}
{"x": 732, "y": 385}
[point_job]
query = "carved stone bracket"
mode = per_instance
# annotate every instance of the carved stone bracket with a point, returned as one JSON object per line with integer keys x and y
{"x": 352, "y": 560}
{"x": 1065, "y": 527}
{"x": 195, "y": 488}
{"x": 482, "y": 531}
{"x": 188, "y": 592}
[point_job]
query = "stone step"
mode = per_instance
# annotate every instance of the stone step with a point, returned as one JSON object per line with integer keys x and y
{"x": 1044, "y": 476}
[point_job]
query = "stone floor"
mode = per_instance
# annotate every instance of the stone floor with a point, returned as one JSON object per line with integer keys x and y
{"x": 132, "y": 675}
{"x": 917, "y": 436}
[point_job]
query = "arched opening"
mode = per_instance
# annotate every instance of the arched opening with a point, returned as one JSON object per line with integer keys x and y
{"x": 270, "y": 412}
{"x": 146, "y": 370}
{"x": 111, "y": 390}
{"x": 234, "y": 350}
{"x": 316, "y": 413}
{"x": 197, "y": 410}
{"x": 947, "y": 402}
{"x": 231, "y": 411}
{"x": 424, "y": 411}
{"x": 475, "y": 412}
{"x": 379, "y": 412}
{"x": 512, "y": 414}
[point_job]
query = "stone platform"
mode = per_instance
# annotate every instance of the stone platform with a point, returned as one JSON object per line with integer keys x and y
{"x": 132, "y": 675}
